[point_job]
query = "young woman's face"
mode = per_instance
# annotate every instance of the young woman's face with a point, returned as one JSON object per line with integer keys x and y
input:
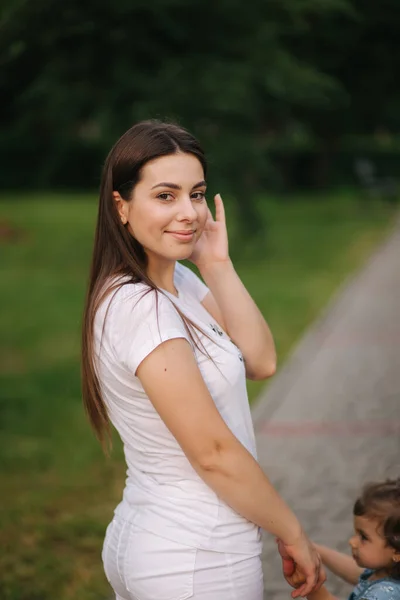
{"x": 168, "y": 209}
{"x": 369, "y": 548}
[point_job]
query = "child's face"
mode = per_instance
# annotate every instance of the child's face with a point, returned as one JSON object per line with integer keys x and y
{"x": 369, "y": 547}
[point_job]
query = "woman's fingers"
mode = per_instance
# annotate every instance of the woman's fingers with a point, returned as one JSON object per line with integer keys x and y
{"x": 219, "y": 208}
{"x": 210, "y": 217}
{"x": 314, "y": 581}
{"x": 308, "y": 562}
{"x": 306, "y": 588}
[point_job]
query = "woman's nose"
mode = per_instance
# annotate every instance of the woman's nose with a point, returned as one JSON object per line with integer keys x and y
{"x": 187, "y": 211}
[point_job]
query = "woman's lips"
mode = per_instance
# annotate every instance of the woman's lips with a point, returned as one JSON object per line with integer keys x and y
{"x": 182, "y": 236}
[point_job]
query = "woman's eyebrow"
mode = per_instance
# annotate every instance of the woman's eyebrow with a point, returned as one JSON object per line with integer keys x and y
{"x": 200, "y": 184}
{"x": 175, "y": 186}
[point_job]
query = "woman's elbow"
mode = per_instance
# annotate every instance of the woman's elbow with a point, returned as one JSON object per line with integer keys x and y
{"x": 209, "y": 460}
{"x": 215, "y": 460}
{"x": 261, "y": 372}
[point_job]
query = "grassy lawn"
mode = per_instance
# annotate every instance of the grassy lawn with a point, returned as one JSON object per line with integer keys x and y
{"x": 58, "y": 491}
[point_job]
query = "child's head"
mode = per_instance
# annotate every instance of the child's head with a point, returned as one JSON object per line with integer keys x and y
{"x": 376, "y": 543}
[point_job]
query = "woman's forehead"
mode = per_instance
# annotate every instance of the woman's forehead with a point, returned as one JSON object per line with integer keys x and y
{"x": 180, "y": 168}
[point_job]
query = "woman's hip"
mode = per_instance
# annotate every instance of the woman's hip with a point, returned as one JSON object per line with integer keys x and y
{"x": 227, "y": 576}
{"x": 143, "y": 566}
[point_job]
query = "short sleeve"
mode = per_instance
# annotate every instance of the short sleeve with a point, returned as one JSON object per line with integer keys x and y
{"x": 139, "y": 321}
{"x": 189, "y": 283}
{"x": 385, "y": 589}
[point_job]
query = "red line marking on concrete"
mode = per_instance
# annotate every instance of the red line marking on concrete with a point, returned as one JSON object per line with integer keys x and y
{"x": 331, "y": 428}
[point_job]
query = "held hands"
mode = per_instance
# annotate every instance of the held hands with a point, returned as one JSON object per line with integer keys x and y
{"x": 290, "y": 571}
{"x": 302, "y": 567}
{"x": 212, "y": 246}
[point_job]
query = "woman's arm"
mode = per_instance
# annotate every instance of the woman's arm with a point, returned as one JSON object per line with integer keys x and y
{"x": 173, "y": 382}
{"x": 340, "y": 564}
{"x": 228, "y": 300}
{"x": 230, "y": 303}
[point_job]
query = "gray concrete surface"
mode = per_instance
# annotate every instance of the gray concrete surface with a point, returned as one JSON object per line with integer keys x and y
{"x": 330, "y": 420}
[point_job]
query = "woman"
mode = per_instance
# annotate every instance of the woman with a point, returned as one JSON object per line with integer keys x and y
{"x": 165, "y": 358}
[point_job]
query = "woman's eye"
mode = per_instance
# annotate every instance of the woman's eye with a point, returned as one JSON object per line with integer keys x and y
{"x": 165, "y": 196}
{"x": 199, "y": 196}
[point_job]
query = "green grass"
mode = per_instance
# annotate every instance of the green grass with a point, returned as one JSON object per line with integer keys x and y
{"x": 58, "y": 491}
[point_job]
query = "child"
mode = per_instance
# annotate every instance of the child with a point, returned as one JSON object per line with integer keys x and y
{"x": 374, "y": 568}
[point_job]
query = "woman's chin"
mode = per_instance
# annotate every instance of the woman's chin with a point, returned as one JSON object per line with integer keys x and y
{"x": 182, "y": 253}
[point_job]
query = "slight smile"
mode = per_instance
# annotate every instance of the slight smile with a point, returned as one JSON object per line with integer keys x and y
{"x": 184, "y": 235}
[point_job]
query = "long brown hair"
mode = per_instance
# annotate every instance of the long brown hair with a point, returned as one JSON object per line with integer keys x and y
{"x": 116, "y": 253}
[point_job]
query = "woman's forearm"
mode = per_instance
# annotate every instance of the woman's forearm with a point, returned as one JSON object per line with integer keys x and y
{"x": 244, "y": 322}
{"x": 340, "y": 564}
{"x": 236, "y": 478}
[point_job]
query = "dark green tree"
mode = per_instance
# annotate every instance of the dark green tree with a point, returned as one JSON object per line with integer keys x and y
{"x": 74, "y": 75}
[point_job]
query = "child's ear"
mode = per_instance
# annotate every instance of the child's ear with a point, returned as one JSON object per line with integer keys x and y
{"x": 396, "y": 557}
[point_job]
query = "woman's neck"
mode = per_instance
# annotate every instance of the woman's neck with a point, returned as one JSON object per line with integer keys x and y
{"x": 162, "y": 273}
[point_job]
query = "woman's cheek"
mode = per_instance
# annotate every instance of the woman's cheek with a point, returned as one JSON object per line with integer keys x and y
{"x": 200, "y": 228}
{"x": 204, "y": 216}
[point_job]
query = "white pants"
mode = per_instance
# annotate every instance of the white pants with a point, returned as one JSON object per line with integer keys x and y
{"x": 142, "y": 566}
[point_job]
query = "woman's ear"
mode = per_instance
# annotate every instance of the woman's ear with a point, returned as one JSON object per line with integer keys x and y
{"x": 122, "y": 207}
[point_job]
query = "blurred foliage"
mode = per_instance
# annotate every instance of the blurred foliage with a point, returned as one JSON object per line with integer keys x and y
{"x": 256, "y": 83}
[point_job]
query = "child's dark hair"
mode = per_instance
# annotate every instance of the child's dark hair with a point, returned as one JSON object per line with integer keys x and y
{"x": 381, "y": 501}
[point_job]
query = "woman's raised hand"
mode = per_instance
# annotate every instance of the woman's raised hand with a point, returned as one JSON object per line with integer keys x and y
{"x": 212, "y": 246}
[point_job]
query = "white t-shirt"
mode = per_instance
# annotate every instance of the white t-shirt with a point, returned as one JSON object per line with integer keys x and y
{"x": 163, "y": 493}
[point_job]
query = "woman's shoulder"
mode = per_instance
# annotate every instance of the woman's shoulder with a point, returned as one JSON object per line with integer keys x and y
{"x": 117, "y": 290}
{"x": 123, "y": 298}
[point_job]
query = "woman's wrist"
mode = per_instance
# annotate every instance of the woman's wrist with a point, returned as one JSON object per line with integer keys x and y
{"x": 293, "y": 534}
{"x": 214, "y": 268}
